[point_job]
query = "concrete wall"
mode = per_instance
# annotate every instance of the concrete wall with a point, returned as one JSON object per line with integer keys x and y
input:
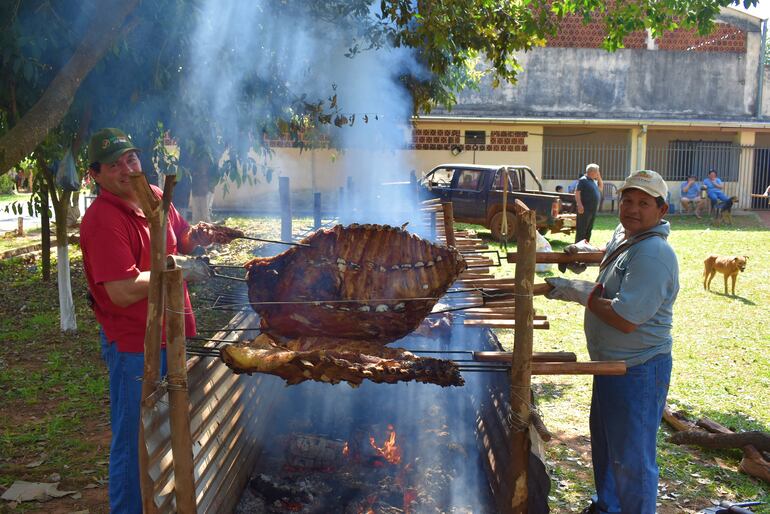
{"x": 326, "y": 171}
{"x": 645, "y": 84}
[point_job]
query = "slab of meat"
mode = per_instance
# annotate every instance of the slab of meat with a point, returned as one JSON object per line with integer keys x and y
{"x": 204, "y": 234}
{"x": 334, "y": 360}
{"x": 362, "y": 282}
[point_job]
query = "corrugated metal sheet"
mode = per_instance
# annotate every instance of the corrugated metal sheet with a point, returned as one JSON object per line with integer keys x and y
{"x": 228, "y": 414}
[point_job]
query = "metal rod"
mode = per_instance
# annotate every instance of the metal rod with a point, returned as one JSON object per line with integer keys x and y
{"x": 272, "y": 241}
{"x": 215, "y": 330}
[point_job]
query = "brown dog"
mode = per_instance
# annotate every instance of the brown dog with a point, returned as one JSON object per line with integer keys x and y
{"x": 728, "y": 266}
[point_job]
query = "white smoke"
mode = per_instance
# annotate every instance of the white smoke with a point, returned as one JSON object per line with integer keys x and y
{"x": 241, "y": 45}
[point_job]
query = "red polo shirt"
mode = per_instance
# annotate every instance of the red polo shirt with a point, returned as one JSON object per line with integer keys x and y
{"x": 115, "y": 241}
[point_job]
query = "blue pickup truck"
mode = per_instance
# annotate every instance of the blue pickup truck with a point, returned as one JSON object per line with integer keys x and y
{"x": 476, "y": 193}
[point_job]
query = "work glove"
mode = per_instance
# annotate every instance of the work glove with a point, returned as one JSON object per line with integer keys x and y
{"x": 580, "y": 246}
{"x": 570, "y": 290}
{"x": 194, "y": 269}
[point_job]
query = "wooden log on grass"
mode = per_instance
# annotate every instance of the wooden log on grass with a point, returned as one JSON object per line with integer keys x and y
{"x": 718, "y": 441}
{"x": 752, "y": 463}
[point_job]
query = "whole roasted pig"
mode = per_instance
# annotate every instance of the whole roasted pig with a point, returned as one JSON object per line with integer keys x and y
{"x": 329, "y": 309}
{"x": 364, "y": 282}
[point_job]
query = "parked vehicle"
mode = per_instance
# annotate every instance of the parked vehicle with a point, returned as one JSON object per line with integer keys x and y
{"x": 476, "y": 193}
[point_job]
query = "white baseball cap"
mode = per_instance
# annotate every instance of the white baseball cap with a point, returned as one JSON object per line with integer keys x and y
{"x": 648, "y": 181}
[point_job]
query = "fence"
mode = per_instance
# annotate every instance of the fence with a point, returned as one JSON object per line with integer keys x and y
{"x": 745, "y": 169}
{"x": 568, "y": 161}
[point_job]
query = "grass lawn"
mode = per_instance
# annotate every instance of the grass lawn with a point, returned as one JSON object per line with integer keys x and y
{"x": 53, "y": 390}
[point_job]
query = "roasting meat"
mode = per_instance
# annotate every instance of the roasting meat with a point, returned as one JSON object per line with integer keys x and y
{"x": 329, "y": 309}
{"x": 335, "y": 360}
{"x": 204, "y": 234}
{"x": 362, "y": 282}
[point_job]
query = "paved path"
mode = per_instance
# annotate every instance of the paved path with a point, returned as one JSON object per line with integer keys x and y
{"x": 764, "y": 217}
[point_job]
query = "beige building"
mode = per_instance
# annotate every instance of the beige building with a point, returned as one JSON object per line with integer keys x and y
{"x": 681, "y": 104}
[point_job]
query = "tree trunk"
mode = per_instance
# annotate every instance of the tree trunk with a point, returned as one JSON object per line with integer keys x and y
{"x": 51, "y": 108}
{"x": 73, "y": 213}
{"x": 45, "y": 232}
{"x": 67, "y": 321}
{"x": 200, "y": 201}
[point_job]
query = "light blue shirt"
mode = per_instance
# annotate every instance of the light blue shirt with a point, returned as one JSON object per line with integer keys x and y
{"x": 712, "y": 184}
{"x": 642, "y": 283}
{"x": 692, "y": 193}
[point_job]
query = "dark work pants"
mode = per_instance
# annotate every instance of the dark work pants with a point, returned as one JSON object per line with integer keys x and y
{"x": 584, "y": 225}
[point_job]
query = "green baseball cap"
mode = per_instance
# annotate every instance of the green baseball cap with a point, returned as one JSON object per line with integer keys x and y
{"x": 108, "y": 144}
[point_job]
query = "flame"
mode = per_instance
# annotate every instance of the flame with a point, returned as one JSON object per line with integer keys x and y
{"x": 390, "y": 450}
{"x": 345, "y": 449}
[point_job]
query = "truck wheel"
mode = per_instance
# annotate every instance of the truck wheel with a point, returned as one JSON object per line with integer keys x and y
{"x": 496, "y": 226}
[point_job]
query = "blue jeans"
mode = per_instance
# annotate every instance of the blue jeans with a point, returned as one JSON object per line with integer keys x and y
{"x": 126, "y": 371}
{"x": 717, "y": 195}
{"x": 625, "y": 416}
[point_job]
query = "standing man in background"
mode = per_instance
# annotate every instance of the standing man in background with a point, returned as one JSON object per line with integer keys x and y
{"x": 588, "y": 195}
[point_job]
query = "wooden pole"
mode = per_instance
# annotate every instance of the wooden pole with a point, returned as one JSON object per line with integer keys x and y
{"x": 156, "y": 213}
{"x": 316, "y": 211}
{"x": 284, "y": 193}
{"x": 342, "y": 216}
{"x": 349, "y": 198}
{"x": 449, "y": 223}
{"x": 521, "y": 362}
{"x": 561, "y": 258}
{"x": 178, "y": 397}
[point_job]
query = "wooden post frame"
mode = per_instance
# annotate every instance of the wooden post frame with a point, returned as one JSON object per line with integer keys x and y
{"x": 449, "y": 223}
{"x": 156, "y": 212}
{"x": 521, "y": 362}
{"x": 284, "y": 193}
{"x": 178, "y": 397}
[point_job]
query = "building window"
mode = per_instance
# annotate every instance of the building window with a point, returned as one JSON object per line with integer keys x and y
{"x": 475, "y": 137}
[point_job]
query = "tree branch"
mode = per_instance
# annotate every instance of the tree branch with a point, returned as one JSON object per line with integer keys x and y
{"x": 53, "y": 105}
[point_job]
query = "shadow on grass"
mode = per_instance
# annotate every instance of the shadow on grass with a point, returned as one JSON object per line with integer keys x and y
{"x": 741, "y": 299}
{"x": 546, "y": 391}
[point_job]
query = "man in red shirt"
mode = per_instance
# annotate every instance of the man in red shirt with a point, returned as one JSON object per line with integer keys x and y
{"x": 115, "y": 241}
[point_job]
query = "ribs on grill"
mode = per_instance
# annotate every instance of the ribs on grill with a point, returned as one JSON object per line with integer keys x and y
{"x": 353, "y": 290}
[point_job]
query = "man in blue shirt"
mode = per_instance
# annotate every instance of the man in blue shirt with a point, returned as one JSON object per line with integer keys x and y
{"x": 690, "y": 196}
{"x": 715, "y": 188}
{"x": 588, "y": 194}
{"x": 628, "y": 316}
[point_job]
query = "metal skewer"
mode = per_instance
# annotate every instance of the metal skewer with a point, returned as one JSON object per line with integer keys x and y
{"x": 272, "y": 241}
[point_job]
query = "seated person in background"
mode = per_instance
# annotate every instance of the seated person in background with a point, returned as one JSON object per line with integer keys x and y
{"x": 560, "y": 189}
{"x": 690, "y": 196}
{"x": 714, "y": 188}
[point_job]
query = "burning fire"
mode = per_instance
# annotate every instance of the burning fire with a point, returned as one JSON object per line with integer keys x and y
{"x": 390, "y": 450}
